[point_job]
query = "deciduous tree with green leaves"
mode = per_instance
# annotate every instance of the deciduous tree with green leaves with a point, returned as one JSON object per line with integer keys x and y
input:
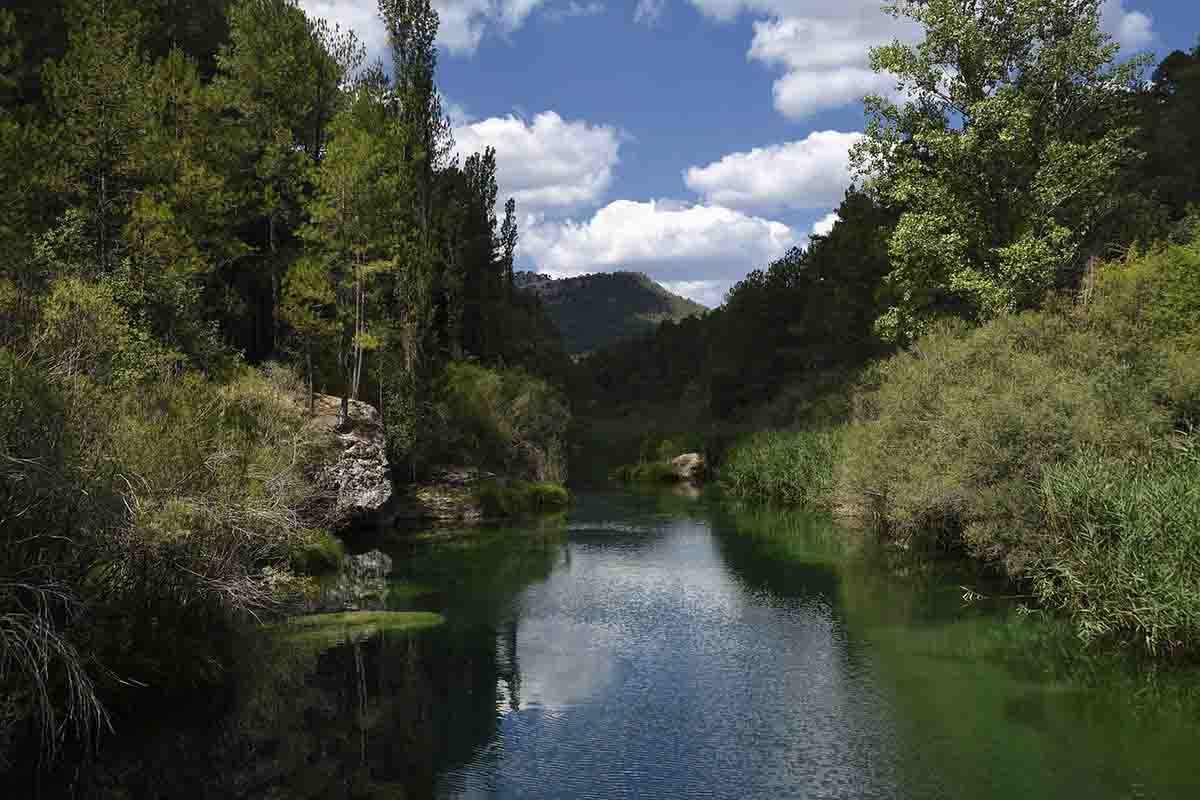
{"x": 1015, "y": 126}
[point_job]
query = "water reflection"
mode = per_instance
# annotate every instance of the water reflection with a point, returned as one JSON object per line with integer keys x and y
{"x": 659, "y": 646}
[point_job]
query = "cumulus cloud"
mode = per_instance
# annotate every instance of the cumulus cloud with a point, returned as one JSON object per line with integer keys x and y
{"x": 360, "y": 16}
{"x": 1131, "y": 29}
{"x": 699, "y": 249}
{"x": 548, "y": 162}
{"x": 824, "y": 225}
{"x": 463, "y": 23}
{"x": 822, "y": 47}
{"x": 812, "y": 172}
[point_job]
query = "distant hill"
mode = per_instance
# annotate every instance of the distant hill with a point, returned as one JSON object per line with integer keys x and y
{"x": 593, "y": 311}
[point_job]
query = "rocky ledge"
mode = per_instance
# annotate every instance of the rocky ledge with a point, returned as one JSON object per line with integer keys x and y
{"x": 357, "y": 477}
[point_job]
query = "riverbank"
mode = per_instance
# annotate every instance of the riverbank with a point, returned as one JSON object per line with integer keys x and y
{"x": 1057, "y": 446}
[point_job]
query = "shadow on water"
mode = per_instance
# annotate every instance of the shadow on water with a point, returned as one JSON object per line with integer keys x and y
{"x": 986, "y": 700}
{"x": 380, "y": 715}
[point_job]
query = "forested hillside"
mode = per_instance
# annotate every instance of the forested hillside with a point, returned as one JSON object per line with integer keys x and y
{"x": 210, "y": 210}
{"x": 595, "y": 311}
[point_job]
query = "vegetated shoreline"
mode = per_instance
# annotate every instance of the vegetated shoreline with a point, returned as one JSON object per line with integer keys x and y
{"x": 1056, "y": 447}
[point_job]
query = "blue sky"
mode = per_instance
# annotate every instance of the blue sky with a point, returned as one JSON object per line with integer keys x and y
{"x": 694, "y": 140}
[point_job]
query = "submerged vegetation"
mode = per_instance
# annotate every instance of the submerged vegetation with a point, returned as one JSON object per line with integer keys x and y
{"x": 327, "y": 630}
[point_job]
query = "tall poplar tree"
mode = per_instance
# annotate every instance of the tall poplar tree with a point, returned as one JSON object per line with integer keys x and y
{"x": 1016, "y": 127}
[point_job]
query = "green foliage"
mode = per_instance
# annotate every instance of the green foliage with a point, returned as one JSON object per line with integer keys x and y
{"x": 154, "y": 517}
{"x": 522, "y": 497}
{"x": 647, "y": 472}
{"x": 320, "y": 553}
{"x": 1155, "y": 294}
{"x": 958, "y": 429}
{"x": 1045, "y": 442}
{"x": 790, "y": 467}
{"x": 1121, "y": 545}
{"x": 1005, "y": 161}
{"x": 186, "y": 187}
{"x": 504, "y": 419}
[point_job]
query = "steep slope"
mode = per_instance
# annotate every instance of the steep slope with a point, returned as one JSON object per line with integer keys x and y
{"x": 593, "y": 311}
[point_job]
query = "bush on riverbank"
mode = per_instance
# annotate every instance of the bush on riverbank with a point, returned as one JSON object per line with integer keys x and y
{"x": 792, "y": 467}
{"x": 522, "y": 497}
{"x": 1122, "y": 544}
{"x": 1045, "y": 442}
{"x": 142, "y": 518}
{"x": 647, "y": 472}
{"x": 1051, "y": 443}
{"x": 504, "y": 419}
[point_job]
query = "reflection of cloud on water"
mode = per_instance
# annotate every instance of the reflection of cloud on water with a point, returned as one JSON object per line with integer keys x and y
{"x": 560, "y": 664}
{"x": 644, "y": 666}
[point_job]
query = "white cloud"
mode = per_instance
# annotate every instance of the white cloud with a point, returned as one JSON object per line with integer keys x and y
{"x": 648, "y": 12}
{"x": 825, "y": 224}
{"x": 813, "y": 172}
{"x": 823, "y": 47}
{"x": 699, "y": 249}
{"x": 706, "y": 293}
{"x": 360, "y": 16}
{"x": 462, "y": 23}
{"x": 1131, "y": 29}
{"x": 548, "y": 162}
{"x": 574, "y": 9}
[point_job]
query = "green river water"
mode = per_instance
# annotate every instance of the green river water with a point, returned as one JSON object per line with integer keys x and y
{"x": 649, "y": 645}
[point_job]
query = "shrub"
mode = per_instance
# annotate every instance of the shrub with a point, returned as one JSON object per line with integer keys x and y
{"x": 521, "y": 497}
{"x": 953, "y": 438}
{"x": 506, "y": 420}
{"x": 144, "y": 524}
{"x": 1046, "y": 442}
{"x": 647, "y": 472}
{"x": 1121, "y": 551}
{"x": 319, "y": 554}
{"x": 791, "y": 467}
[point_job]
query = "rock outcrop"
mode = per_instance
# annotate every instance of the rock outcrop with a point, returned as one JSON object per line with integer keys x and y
{"x": 689, "y": 467}
{"x": 357, "y": 477}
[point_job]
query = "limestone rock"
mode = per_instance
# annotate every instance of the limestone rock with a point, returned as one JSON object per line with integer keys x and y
{"x": 689, "y": 467}
{"x": 358, "y": 477}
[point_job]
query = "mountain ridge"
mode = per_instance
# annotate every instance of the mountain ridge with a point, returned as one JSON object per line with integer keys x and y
{"x": 596, "y": 310}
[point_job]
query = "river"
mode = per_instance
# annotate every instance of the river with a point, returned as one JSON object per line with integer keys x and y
{"x": 650, "y": 645}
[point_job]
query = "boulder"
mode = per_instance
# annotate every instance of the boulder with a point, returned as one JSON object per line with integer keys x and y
{"x": 689, "y": 467}
{"x": 357, "y": 477}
